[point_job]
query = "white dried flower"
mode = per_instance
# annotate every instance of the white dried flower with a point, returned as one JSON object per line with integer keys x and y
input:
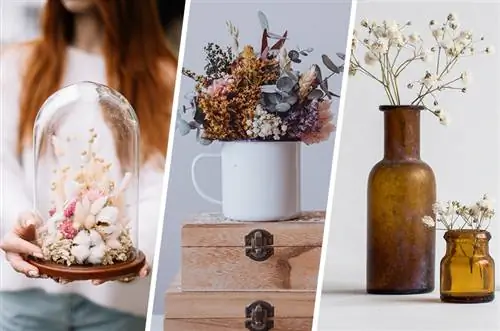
{"x": 438, "y": 33}
{"x": 443, "y": 116}
{"x": 266, "y": 125}
{"x": 428, "y": 221}
{"x": 430, "y": 80}
{"x": 489, "y": 50}
{"x": 465, "y": 77}
{"x": 452, "y": 17}
{"x": 370, "y": 58}
{"x": 414, "y": 38}
{"x": 380, "y": 46}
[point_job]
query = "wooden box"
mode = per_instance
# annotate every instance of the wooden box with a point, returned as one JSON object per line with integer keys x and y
{"x": 238, "y": 310}
{"x": 220, "y": 254}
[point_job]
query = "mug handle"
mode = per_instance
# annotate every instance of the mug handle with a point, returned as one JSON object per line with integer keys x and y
{"x": 195, "y": 182}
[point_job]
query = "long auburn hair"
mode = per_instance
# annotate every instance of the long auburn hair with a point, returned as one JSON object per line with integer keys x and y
{"x": 137, "y": 65}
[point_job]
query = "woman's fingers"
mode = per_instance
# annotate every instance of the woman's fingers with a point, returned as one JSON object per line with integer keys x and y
{"x": 144, "y": 271}
{"x": 15, "y": 244}
{"x": 21, "y": 266}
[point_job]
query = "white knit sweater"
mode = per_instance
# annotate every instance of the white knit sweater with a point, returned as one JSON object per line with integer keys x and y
{"x": 16, "y": 182}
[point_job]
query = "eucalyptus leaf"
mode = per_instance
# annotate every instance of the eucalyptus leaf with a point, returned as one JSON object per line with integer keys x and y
{"x": 304, "y": 53}
{"x": 324, "y": 85}
{"x": 183, "y": 127}
{"x": 309, "y": 49}
{"x": 291, "y": 99}
{"x": 283, "y": 107}
{"x": 329, "y": 64}
{"x": 315, "y": 94}
{"x": 297, "y": 60}
{"x": 268, "y": 88}
{"x": 264, "y": 23}
{"x": 293, "y": 55}
{"x": 271, "y": 98}
{"x": 285, "y": 84}
{"x": 317, "y": 70}
{"x": 341, "y": 56}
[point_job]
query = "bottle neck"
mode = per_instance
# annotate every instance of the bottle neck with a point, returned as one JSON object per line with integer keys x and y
{"x": 402, "y": 134}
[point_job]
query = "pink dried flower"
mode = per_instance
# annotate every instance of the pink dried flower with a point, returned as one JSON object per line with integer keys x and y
{"x": 325, "y": 125}
{"x": 318, "y": 136}
{"x": 52, "y": 211}
{"x": 94, "y": 194}
{"x": 219, "y": 86}
{"x": 70, "y": 209}
{"x": 67, "y": 229}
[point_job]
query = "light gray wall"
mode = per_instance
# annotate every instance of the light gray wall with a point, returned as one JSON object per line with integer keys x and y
{"x": 464, "y": 155}
{"x": 322, "y": 25}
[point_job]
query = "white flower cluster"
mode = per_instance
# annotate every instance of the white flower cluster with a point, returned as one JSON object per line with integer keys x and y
{"x": 265, "y": 125}
{"x": 391, "y": 48}
{"x": 476, "y": 216}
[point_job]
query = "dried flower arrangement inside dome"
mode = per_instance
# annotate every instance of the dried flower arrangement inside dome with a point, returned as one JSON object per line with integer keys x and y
{"x": 252, "y": 95}
{"x": 87, "y": 224}
{"x": 388, "y": 48}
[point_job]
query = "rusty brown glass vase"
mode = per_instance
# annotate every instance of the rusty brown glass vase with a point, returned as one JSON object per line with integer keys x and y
{"x": 467, "y": 269}
{"x": 401, "y": 191}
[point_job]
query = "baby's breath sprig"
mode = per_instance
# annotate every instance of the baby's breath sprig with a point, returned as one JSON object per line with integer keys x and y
{"x": 453, "y": 215}
{"x": 390, "y": 49}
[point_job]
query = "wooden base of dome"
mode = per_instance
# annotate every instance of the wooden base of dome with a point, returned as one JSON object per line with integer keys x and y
{"x": 90, "y": 272}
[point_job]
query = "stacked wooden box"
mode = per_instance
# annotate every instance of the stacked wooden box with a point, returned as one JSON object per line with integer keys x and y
{"x": 257, "y": 276}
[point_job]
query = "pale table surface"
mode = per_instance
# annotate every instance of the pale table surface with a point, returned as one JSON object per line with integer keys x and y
{"x": 350, "y": 308}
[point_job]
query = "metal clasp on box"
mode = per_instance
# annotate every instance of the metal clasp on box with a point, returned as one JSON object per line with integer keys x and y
{"x": 259, "y": 245}
{"x": 259, "y": 316}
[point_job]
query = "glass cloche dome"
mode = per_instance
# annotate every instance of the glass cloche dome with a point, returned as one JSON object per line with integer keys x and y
{"x": 86, "y": 159}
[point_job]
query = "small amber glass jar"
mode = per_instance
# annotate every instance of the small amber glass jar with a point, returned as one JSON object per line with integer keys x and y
{"x": 467, "y": 269}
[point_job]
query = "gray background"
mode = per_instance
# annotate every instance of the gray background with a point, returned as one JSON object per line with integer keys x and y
{"x": 322, "y": 25}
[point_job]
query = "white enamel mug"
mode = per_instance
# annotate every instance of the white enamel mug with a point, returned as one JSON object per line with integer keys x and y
{"x": 260, "y": 180}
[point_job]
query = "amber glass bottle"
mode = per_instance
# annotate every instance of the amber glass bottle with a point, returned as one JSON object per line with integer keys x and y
{"x": 467, "y": 269}
{"x": 401, "y": 190}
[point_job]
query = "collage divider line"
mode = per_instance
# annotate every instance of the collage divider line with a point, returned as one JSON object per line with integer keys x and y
{"x": 168, "y": 163}
{"x": 333, "y": 174}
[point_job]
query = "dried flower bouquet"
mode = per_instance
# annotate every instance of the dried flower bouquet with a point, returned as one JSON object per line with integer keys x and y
{"x": 87, "y": 224}
{"x": 248, "y": 95}
{"x": 388, "y": 50}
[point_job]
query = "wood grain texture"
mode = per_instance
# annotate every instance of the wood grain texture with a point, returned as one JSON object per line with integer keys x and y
{"x": 234, "y": 324}
{"x": 213, "y": 230}
{"x": 228, "y": 268}
{"x": 231, "y": 305}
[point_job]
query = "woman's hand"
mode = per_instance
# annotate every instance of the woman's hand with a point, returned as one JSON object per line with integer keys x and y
{"x": 17, "y": 243}
{"x": 143, "y": 273}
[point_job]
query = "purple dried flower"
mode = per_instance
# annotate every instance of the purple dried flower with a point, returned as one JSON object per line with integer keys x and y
{"x": 303, "y": 119}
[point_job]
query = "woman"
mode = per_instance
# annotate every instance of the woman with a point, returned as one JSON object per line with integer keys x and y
{"x": 119, "y": 43}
